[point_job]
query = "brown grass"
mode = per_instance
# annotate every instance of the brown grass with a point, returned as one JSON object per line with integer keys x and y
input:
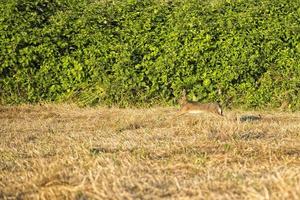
{"x": 66, "y": 152}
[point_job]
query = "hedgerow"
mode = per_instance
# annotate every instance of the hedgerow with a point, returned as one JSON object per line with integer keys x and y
{"x": 238, "y": 52}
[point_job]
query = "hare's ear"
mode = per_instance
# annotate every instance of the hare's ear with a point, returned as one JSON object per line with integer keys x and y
{"x": 184, "y": 92}
{"x": 219, "y": 91}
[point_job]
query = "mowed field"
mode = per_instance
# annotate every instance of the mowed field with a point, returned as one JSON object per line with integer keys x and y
{"x": 67, "y": 152}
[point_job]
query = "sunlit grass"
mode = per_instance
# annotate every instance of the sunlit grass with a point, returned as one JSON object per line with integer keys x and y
{"x": 66, "y": 152}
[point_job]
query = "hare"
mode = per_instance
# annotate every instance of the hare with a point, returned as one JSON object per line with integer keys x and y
{"x": 196, "y": 107}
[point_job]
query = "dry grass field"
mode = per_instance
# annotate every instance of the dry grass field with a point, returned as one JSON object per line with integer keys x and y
{"x": 67, "y": 152}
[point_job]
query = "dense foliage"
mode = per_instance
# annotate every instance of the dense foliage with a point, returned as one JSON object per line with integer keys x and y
{"x": 239, "y": 52}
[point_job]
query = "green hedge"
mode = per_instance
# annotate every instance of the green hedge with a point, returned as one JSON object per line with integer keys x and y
{"x": 141, "y": 52}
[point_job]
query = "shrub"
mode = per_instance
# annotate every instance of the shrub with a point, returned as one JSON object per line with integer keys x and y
{"x": 243, "y": 53}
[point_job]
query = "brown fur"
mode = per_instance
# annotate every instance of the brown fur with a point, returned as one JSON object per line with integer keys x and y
{"x": 194, "y": 107}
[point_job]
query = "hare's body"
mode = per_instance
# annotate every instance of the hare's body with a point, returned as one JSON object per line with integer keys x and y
{"x": 197, "y": 107}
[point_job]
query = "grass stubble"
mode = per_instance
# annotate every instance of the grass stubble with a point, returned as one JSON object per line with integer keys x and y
{"x": 66, "y": 152}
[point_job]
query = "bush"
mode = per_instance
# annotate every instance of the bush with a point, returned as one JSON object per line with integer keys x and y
{"x": 244, "y": 53}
